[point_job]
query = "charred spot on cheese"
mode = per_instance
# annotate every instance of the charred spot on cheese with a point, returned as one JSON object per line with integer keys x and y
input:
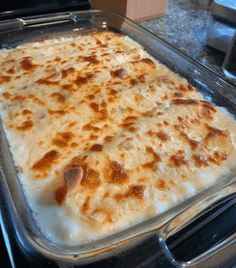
{"x": 207, "y": 105}
{"x": 7, "y": 95}
{"x": 68, "y": 87}
{"x": 185, "y": 102}
{"x": 57, "y": 59}
{"x": 46, "y": 162}
{"x": 90, "y": 127}
{"x": 83, "y": 79}
{"x": 102, "y": 115}
{"x": 119, "y": 73}
{"x": 19, "y": 98}
{"x": 90, "y": 59}
{"x": 47, "y": 82}
{"x": 130, "y": 118}
{"x": 60, "y": 194}
{"x": 85, "y": 207}
{"x": 12, "y": 70}
{"x": 5, "y": 79}
{"x": 58, "y": 97}
{"x": 113, "y": 92}
{"x": 135, "y": 191}
{"x": 117, "y": 172}
{"x": 193, "y": 143}
{"x": 26, "y": 125}
{"x": 161, "y": 185}
{"x": 90, "y": 96}
{"x": 57, "y": 112}
{"x": 213, "y": 132}
{"x": 108, "y": 139}
{"x": 162, "y": 135}
{"x": 66, "y": 72}
{"x": 62, "y": 139}
{"x": 96, "y": 147}
{"x": 93, "y": 137}
{"x": 156, "y": 158}
{"x": 217, "y": 157}
{"x": 127, "y": 125}
{"x": 200, "y": 160}
{"x": 26, "y": 112}
{"x": 185, "y": 87}
{"x": 94, "y": 106}
{"x": 146, "y": 61}
{"x": 90, "y": 177}
{"x": 27, "y": 64}
{"x": 178, "y": 159}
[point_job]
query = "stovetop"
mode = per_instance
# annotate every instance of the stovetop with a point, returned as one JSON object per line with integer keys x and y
{"x": 14, "y": 8}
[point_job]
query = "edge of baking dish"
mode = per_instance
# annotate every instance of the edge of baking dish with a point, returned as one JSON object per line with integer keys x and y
{"x": 14, "y": 205}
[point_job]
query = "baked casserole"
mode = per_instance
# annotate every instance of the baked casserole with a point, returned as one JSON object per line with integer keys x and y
{"x": 104, "y": 136}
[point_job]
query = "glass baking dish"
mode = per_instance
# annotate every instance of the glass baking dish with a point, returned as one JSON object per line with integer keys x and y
{"x": 14, "y": 205}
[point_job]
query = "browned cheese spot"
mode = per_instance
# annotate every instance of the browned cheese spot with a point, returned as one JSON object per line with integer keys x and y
{"x": 58, "y": 97}
{"x": 96, "y": 147}
{"x": 7, "y": 95}
{"x": 217, "y": 157}
{"x": 200, "y": 160}
{"x": 46, "y": 162}
{"x": 12, "y": 70}
{"x": 120, "y": 73}
{"x": 67, "y": 72}
{"x": 94, "y": 106}
{"x": 185, "y": 88}
{"x": 135, "y": 191}
{"x": 91, "y": 59}
{"x": 26, "y": 112}
{"x": 193, "y": 143}
{"x": 213, "y": 132}
{"x": 85, "y": 207}
{"x": 90, "y": 127}
{"x": 5, "y": 79}
{"x": 161, "y": 185}
{"x": 162, "y": 135}
{"x": 60, "y": 194}
{"x": 57, "y": 112}
{"x": 156, "y": 159}
{"x": 117, "y": 172}
{"x": 82, "y": 80}
{"x": 178, "y": 159}
{"x": 90, "y": 177}
{"x": 26, "y": 125}
{"x": 27, "y": 64}
{"x": 62, "y": 139}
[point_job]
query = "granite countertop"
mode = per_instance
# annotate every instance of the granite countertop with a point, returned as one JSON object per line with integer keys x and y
{"x": 185, "y": 26}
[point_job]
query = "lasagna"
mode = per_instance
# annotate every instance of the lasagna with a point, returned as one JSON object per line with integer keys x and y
{"x": 104, "y": 136}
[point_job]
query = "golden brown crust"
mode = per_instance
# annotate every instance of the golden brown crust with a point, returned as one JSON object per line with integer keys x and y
{"x": 116, "y": 132}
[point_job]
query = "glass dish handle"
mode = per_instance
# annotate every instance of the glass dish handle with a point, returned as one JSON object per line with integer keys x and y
{"x": 48, "y": 19}
{"x": 183, "y": 226}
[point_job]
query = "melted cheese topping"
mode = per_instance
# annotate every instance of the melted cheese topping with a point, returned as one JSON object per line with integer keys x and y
{"x": 104, "y": 136}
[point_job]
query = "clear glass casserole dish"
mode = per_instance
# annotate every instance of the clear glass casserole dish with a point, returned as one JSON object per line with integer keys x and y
{"x": 214, "y": 89}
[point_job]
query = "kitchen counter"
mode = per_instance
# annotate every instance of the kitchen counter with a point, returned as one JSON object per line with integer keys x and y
{"x": 185, "y": 27}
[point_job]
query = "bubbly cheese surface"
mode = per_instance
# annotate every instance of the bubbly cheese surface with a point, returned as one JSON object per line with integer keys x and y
{"x": 104, "y": 136}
